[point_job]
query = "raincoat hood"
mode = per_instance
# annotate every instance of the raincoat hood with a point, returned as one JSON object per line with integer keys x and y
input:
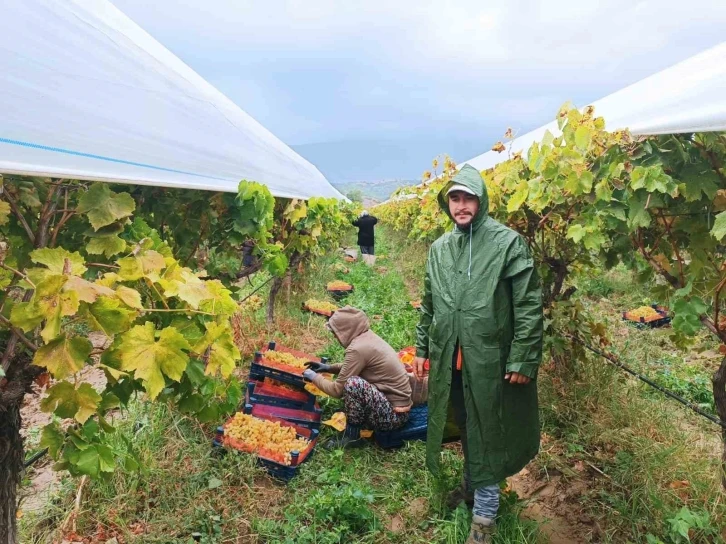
{"x": 348, "y": 323}
{"x": 470, "y": 178}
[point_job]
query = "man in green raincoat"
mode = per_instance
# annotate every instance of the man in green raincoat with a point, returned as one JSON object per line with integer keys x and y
{"x": 481, "y": 332}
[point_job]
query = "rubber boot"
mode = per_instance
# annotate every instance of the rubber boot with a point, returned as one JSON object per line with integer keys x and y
{"x": 459, "y": 495}
{"x": 482, "y": 530}
{"x": 349, "y": 439}
{"x": 371, "y": 260}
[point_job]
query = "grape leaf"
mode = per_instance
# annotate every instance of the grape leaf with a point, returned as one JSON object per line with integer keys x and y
{"x": 130, "y": 297}
{"x": 151, "y": 359}
{"x": 63, "y": 356}
{"x": 719, "y": 226}
{"x": 85, "y": 290}
{"x": 103, "y": 206}
{"x": 61, "y": 400}
{"x": 108, "y": 315}
{"x": 146, "y": 263}
{"x": 26, "y": 316}
{"x": 4, "y": 212}
{"x": 88, "y": 400}
{"x": 106, "y": 245}
{"x": 52, "y": 438}
{"x": 583, "y": 134}
{"x": 221, "y": 301}
{"x": 223, "y": 352}
{"x": 55, "y": 259}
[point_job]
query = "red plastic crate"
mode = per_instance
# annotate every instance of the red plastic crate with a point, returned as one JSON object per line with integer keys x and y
{"x": 303, "y": 418}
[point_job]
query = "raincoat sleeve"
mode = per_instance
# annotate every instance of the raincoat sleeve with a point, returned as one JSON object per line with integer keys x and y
{"x": 352, "y": 366}
{"x": 427, "y": 314}
{"x": 526, "y": 350}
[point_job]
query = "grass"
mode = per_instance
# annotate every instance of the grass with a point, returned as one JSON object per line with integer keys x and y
{"x": 361, "y": 496}
{"x": 638, "y": 458}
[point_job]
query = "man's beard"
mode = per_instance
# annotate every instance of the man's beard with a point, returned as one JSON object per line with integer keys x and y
{"x": 464, "y": 222}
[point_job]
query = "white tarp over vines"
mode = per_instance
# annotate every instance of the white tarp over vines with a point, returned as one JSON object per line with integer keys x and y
{"x": 85, "y": 93}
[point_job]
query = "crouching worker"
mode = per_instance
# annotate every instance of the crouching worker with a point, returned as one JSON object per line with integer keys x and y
{"x": 371, "y": 381}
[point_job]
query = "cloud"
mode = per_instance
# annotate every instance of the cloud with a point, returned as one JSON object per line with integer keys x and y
{"x": 325, "y": 70}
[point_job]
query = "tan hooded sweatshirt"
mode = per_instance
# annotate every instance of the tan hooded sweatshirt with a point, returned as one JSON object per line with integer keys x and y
{"x": 366, "y": 355}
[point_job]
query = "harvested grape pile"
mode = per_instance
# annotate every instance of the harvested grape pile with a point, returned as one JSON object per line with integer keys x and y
{"x": 320, "y": 305}
{"x": 643, "y": 311}
{"x": 269, "y": 439}
{"x": 284, "y": 358}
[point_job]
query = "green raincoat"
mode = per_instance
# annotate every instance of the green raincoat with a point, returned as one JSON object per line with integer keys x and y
{"x": 482, "y": 288}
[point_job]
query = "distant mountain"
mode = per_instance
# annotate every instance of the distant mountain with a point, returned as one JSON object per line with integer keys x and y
{"x": 377, "y": 191}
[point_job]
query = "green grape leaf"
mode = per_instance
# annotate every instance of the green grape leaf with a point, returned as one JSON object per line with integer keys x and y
{"x": 687, "y": 319}
{"x": 105, "y": 245}
{"x": 638, "y": 216}
{"x": 576, "y": 232}
{"x": 697, "y": 180}
{"x": 719, "y": 226}
{"x": 223, "y": 351}
{"x": 103, "y": 206}
{"x": 518, "y": 198}
{"x": 109, "y": 316}
{"x": 583, "y": 135}
{"x": 59, "y": 261}
{"x": 4, "y": 213}
{"x": 52, "y": 438}
{"x": 63, "y": 356}
{"x": 61, "y": 400}
{"x": 26, "y": 316}
{"x": 130, "y": 297}
{"x": 150, "y": 359}
{"x": 188, "y": 329}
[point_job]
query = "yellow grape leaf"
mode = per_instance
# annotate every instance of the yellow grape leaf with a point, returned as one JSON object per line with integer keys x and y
{"x": 130, "y": 297}
{"x": 63, "y": 356}
{"x": 109, "y": 279}
{"x": 337, "y": 421}
{"x": 150, "y": 359}
{"x": 85, "y": 290}
{"x": 88, "y": 400}
{"x": 59, "y": 261}
{"x": 296, "y": 210}
{"x": 4, "y": 212}
{"x": 366, "y": 433}
{"x": 221, "y": 301}
{"x": 223, "y": 354}
{"x": 147, "y": 264}
{"x": 108, "y": 315}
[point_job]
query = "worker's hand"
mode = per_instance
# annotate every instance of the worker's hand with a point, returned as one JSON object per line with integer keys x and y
{"x": 318, "y": 367}
{"x": 516, "y": 377}
{"x": 420, "y": 368}
{"x": 309, "y": 374}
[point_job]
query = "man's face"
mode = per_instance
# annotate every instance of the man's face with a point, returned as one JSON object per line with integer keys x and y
{"x": 463, "y": 208}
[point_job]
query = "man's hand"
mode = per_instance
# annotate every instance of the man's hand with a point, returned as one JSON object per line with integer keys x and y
{"x": 516, "y": 377}
{"x": 420, "y": 368}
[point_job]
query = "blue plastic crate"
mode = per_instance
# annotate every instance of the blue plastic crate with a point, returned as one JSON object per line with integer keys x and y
{"x": 301, "y": 418}
{"x": 415, "y": 429}
{"x": 260, "y": 372}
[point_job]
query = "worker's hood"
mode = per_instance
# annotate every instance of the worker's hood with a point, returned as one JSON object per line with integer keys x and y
{"x": 470, "y": 178}
{"x": 348, "y": 323}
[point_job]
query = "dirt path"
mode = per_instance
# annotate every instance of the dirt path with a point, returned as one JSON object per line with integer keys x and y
{"x": 555, "y": 504}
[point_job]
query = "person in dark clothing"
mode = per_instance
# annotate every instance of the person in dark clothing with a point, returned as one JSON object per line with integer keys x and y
{"x": 366, "y": 236}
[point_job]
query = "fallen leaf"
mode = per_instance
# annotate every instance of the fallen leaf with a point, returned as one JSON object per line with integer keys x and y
{"x": 337, "y": 421}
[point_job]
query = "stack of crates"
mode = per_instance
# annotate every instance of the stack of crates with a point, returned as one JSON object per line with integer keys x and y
{"x": 276, "y": 392}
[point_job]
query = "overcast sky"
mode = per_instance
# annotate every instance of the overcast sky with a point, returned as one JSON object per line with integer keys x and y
{"x": 375, "y": 89}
